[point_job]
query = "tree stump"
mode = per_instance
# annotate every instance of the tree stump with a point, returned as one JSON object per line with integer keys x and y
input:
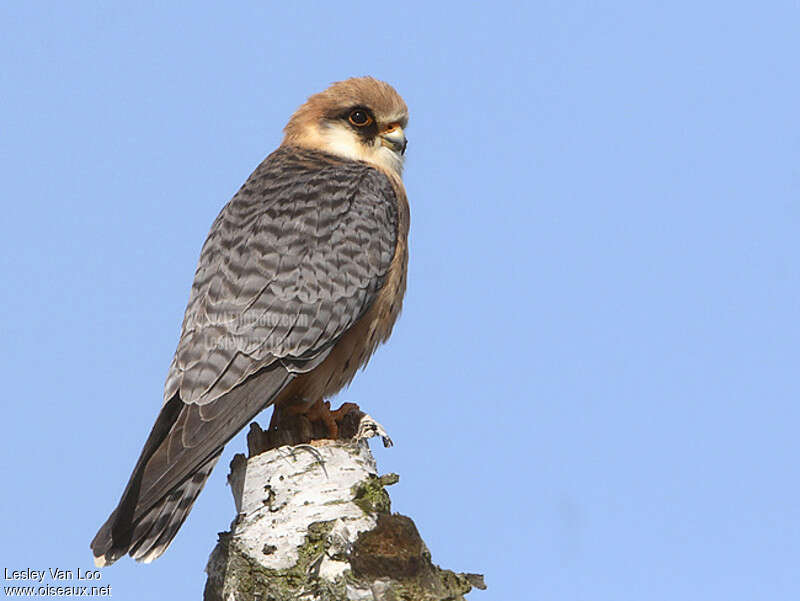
{"x": 314, "y": 523}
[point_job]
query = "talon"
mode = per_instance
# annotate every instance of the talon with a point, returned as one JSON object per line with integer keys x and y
{"x": 301, "y": 421}
{"x": 321, "y": 411}
{"x": 346, "y": 408}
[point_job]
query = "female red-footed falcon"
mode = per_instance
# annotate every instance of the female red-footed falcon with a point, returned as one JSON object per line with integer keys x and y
{"x": 301, "y": 277}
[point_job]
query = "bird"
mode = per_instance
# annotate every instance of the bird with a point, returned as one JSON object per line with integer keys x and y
{"x": 301, "y": 277}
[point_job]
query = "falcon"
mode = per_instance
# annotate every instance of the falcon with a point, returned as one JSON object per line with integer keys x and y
{"x": 301, "y": 277}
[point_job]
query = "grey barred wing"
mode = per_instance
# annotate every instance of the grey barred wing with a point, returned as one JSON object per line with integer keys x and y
{"x": 290, "y": 264}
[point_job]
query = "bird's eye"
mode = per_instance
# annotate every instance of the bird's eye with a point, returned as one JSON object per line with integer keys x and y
{"x": 360, "y": 118}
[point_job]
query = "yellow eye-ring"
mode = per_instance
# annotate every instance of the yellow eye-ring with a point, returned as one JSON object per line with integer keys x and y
{"x": 360, "y": 118}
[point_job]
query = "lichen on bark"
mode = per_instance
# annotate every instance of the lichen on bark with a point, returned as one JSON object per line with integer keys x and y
{"x": 371, "y": 496}
{"x": 235, "y": 576}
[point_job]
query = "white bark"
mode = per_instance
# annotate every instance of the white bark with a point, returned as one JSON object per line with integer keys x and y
{"x": 300, "y": 511}
{"x": 286, "y": 489}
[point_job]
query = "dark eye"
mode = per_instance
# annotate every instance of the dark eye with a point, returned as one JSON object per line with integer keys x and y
{"x": 360, "y": 118}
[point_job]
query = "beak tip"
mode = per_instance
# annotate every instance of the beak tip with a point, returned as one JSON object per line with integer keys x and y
{"x": 395, "y": 140}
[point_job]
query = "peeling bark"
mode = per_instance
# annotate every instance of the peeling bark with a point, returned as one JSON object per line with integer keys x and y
{"x": 314, "y": 523}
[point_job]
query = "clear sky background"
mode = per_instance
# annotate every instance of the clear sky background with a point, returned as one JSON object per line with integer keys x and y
{"x": 593, "y": 388}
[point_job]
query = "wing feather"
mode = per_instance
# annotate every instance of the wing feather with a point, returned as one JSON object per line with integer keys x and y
{"x": 319, "y": 236}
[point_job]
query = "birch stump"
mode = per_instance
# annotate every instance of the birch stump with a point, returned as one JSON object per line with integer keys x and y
{"x": 314, "y": 523}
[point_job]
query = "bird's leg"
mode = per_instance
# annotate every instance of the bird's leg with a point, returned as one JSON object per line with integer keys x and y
{"x": 303, "y": 421}
{"x": 321, "y": 411}
{"x": 348, "y": 417}
{"x": 341, "y": 423}
{"x": 342, "y": 411}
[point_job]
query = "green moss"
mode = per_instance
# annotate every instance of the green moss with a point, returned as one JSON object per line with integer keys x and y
{"x": 371, "y": 497}
{"x": 252, "y": 581}
{"x": 389, "y": 479}
{"x": 439, "y": 585}
{"x": 396, "y": 556}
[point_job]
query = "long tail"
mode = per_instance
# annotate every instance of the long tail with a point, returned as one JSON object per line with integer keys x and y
{"x": 155, "y": 529}
{"x": 147, "y": 534}
{"x": 178, "y": 456}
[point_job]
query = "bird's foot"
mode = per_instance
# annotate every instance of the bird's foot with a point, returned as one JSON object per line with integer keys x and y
{"x": 301, "y": 422}
{"x": 324, "y": 423}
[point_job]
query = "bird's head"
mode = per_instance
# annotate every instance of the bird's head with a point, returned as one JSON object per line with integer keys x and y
{"x": 359, "y": 118}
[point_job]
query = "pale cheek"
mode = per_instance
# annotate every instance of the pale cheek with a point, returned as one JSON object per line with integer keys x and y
{"x": 344, "y": 143}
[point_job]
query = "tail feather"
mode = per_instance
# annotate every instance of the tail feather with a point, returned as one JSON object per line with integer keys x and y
{"x": 158, "y": 527}
{"x": 114, "y": 537}
{"x": 178, "y": 456}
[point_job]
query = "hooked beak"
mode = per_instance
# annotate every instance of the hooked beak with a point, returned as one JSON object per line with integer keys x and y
{"x": 394, "y": 138}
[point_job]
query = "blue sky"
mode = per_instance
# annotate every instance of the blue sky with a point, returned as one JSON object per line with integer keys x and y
{"x": 593, "y": 386}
